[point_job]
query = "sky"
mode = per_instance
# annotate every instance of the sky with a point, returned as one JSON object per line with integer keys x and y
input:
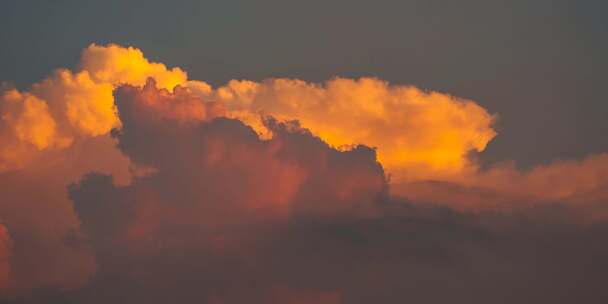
{"x": 303, "y": 151}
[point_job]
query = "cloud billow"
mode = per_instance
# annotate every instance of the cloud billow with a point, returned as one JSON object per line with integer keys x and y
{"x": 125, "y": 181}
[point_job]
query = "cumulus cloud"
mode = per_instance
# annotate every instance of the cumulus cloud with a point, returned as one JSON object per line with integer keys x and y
{"x": 119, "y": 65}
{"x": 226, "y": 158}
{"x": 36, "y": 210}
{"x": 80, "y": 105}
{"x": 50, "y": 136}
{"x": 123, "y": 179}
{"x": 28, "y": 118}
{"x": 418, "y": 134}
{"x": 289, "y": 219}
{"x": 215, "y": 188}
{"x": 73, "y": 105}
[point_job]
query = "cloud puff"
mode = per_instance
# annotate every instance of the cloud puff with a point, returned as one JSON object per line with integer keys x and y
{"x": 119, "y": 65}
{"x": 419, "y": 135}
{"x": 214, "y": 188}
{"x": 226, "y": 158}
{"x": 35, "y": 208}
{"x": 80, "y": 105}
{"x": 70, "y": 105}
{"x": 28, "y": 118}
{"x": 50, "y": 136}
{"x": 277, "y": 189}
{"x": 289, "y": 219}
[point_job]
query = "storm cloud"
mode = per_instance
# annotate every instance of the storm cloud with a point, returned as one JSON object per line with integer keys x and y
{"x": 124, "y": 181}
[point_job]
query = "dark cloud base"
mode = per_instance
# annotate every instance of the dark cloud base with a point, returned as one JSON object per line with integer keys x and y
{"x": 429, "y": 256}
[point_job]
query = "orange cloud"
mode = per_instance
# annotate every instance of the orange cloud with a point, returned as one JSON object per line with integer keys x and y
{"x": 29, "y": 118}
{"x": 418, "y": 135}
{"x": 563, "y": 180}
{"x": 5, "y": 257}
{"x": 217, "y": 192}
{"x": 178, "y": 104}
{"x": 70, "y": 105}
{"x": 50, "y": 135}
{"x": 205, "y": 172}
{"x": 35, "y": 206}
{"x": 583, "y": 184}
{"x": 26, "y": 127}
{"x": 167, "y": 131}
{"x": 119, "y": 65}
{"x": 80, "y": 105}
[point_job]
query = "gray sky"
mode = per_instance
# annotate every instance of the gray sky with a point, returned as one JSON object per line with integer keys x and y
{"x": 538, "y": 64}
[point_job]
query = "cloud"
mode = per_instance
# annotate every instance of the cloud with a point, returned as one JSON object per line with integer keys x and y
{"x": 565, "y": 180}
{"x": 123, "y": 180}
{"x": 29, "y": 118}
{"x": 216, "y": 186}
{"x": 5, "y": 257}
{"x": 418, "y": 134}
{"x": 50, "y": 136}
{"x": 119, "y": 65}
{"x": 80, "y": 105}
{"x": 35, "y": 208}
{"x": 582, "y": 184}
{"x": 204, "y": 150}
{"x": 289, "y": 219}
{"x": 72, "y": 105}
